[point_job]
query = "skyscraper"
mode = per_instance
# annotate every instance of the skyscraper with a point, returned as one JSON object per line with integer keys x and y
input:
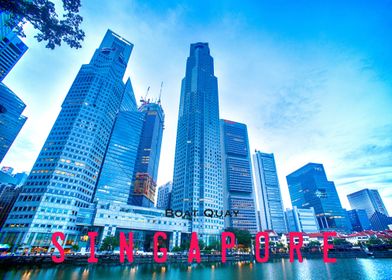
{"x": 359, "y": 220}
{"x": 11, "y": 50}
{"x": 309, "y": 187}
{"x": 270, "y": 204}
{"x": 65, "y": 174}
{"x": 164, "y": 195}
{"x": 369, "y": 200}
{"x": 8, "y": 194}
{"x": 11, "y": 118}
{"x": 147, "y": 162}
{"x": 301, "y": 220}
{"x": 11, "y": 47}
{"x": 197, "y": 179}
{"x": 237, "y": 177}
{"x": 115, "y": 183}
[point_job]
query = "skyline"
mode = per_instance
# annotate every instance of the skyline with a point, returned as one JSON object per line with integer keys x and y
{"x": 286, "y": 84}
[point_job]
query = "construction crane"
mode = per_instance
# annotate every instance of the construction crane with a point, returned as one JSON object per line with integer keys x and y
{"x": 144, "y": 100}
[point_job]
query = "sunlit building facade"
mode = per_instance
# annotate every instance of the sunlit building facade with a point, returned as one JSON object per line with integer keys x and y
{"x": 65, "y": 174}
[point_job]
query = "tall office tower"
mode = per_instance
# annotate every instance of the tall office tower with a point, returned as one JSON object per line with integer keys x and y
{"x": 146, "y": 170}
{"x": 369, "y": 200}
{"x": 197, "y": 179}
{"x": 115, "y": 183}
{"x": 11, "y": 47}
{"x": 65, "y": 174}
{"x": 359, "y": 220}
{"x": 164, "y": 195}
{"x": 309, "y": 187}
{"x": 238, "y": 194}
{"x": 11, "y": 50}
{"x": 301, "y": 220}
{"x": 269, "y": 197}
{"x": 11, "y": 118}
{"x": 8, "y": 194}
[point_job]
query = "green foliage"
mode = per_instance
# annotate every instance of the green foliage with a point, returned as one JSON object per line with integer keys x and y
{"x": 214, "y": 245}
{"x": 75, "y": 247}
{"x": 109, "y": 243}
{"x": 340, "y": 241}
{"x": 314, "y": 243}
{"x": 42, "y": 15}
{"x": 176, "y": 249}
{"x": 243, "y": 237}
{"x": 185, "y": 245}
{"x": 374, "y": 241}
{"x": 201, "y": 244}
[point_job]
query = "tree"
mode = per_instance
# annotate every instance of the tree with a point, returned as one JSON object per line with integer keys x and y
{"x": 243, "y": 237}
{"x": 374, "y": 241}
{"x": 43, "y": 17}
{"x": 109, "y": 243}
{"x": 201, "y": 244}
{"x": 214, "y": 245}
{"x": 314, "y": 243}
{"x": 176, "y": 249}
{"x": 75, "y": 247}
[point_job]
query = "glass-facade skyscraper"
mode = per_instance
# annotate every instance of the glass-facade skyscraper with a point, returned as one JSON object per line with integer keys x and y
{"x": 237, "y": 177}
{"x": 368, "y": 200}
{"x": 11, "y": 118}
{"x": 147, "y": 162}
{"x": 309, "y": 187}
{"x": 359, "y": 220}
{"x": 12, "y": 47}
{"x": 115, "y": 182}
{"x": 197, "y": 179}
{"x": 269, "y": 197}
{"x": 64, "y": 177}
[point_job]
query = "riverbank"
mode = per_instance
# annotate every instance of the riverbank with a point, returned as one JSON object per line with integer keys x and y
{"x": 315, "y": 268}
{"x": 46, "y": 260}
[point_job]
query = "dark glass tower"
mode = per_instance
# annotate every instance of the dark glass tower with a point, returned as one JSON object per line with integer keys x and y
{"x": 309, "y": 187}
{"x": 237, "y": 177}
{"x": 197, "y": 180}
{"x": 368, "y": 200}
{"x": 115, "y": 182}
{"x": 146, "y": 170}
{"x": 359, "y": 220}
{"x": 11, "y": 119}
{"x": 65, "y": 174}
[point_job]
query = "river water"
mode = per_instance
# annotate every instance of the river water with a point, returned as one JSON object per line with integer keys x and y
{"x": 276, "y": 269}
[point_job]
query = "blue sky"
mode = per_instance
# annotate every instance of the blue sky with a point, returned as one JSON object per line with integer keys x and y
{"x": 312, "y": 81}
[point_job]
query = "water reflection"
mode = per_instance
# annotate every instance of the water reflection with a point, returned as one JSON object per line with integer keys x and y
{"x": 276, "y": 269}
